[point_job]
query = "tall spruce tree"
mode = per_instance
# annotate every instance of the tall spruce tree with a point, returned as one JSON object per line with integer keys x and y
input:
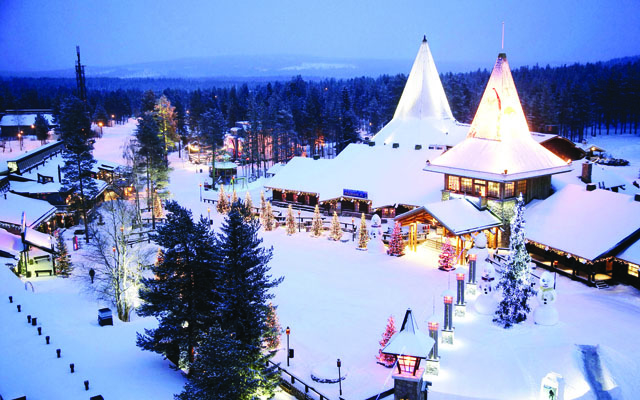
{"x": 182, "y": 293}
{"x": 75, "y": 131}
{"x": 244, "y": 288}
{"x": 42, "y": 128}
{"x": 516, "y": 279}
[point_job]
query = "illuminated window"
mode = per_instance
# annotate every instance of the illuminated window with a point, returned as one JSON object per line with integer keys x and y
{"x": 521, "y": 187}
{"x": 480, "y": 187}
{"x": 509, "y": 187}
{"x": 454, "y": 183}
{"x": 633, "y": 270}
{"x": 407, "y": 363}
{"x": 467, "y": 185}
{"x": 494, "y": 189}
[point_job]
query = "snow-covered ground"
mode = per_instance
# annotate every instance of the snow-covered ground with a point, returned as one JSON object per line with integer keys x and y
{"x": 336, "y": 300}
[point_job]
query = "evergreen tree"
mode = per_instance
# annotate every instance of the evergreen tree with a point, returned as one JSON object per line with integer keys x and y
{"x": 316, "y": 224}
{"x": 244, "y": 287}
{"x": 396, "y": 243}
{"x": 148, "y": 102}
{"x": 290, "y": 221}
{"x": 248, "y": 203}
{"x": 100, "y": 115}
{"x": 75, "y": 131}
{"x": 335, "y": 231}
{"x": 212, "y": 128}
{"x": 182, "y": 292}
{"x": 42, "y": 128}
{"x": 63, "y": 262}
{"x": 234, "y": 197}
{"x": 516, "y": 279}
{"x": 272, "y": 336}
{"x": 269, "y": 221}
{"x": 386, "y": 359}
{"x": 363, "y": 235}
{"x": 157, "y": 207}
{"x": 446, "y": 257}
{"x": 223, "y": 204}
{"x": 165, "y": 115}
{"x": 263, "y": 209}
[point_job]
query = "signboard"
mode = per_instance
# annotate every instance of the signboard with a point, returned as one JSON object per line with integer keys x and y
{"x": 360, "y": 194}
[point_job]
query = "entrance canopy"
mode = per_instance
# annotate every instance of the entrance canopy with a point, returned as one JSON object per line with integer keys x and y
{"x": 458, "y": 216}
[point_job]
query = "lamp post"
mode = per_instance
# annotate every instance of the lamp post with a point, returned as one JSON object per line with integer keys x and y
{"x": 288, "y": 331}
{"x": 200, "y": 184}
{"x": 113, "y": 117}
{"x": 299, "y": 221}
{"x": 20, "y": 139}
{"x": 209, "y": 214}
{"x": 339, "y": 364}
{"x": 472, "y": 268}
{"x": 460, "y": 307}
{"x": 100, "y": 125}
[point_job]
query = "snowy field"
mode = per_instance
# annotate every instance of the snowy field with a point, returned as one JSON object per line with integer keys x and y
{"x": 336, "y": 301}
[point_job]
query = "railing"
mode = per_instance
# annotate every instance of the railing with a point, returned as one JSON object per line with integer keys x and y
{"x": 290, "y": 381}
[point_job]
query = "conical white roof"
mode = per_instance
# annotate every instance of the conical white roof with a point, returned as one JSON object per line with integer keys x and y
{"x": 423, "y": 115}
{"x": 499, "y": 146}
{"x": 409, "y": 341}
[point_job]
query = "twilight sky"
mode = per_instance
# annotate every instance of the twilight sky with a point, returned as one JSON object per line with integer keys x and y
{"x": 41, "y": 35}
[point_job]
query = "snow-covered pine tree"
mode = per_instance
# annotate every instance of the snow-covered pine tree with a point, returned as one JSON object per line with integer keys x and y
{"x": 272, "y": 336}
{"x": 446, "y": 257}
{"x": 181, "y": 294}
{"x": 63, "y": 263}
{"x": 244, "y": 287}
{"x": 222, "y": 206}
{"x": 363, "y": 235}
{"x": 396, "y": 243}
{"x": 248, "y": 203}
{"x": 516, "y": 279}
{"x": 335, "y": 233}
{"x": 316, "y": 224}
{"x": 269, "y": 221}
{"x": 386, "y": 359}
{"x": 290, "y": 221}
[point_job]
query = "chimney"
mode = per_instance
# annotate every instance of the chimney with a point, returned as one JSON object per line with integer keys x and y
{"x": 587, "y": 167}
{"x": 591, "y": 187}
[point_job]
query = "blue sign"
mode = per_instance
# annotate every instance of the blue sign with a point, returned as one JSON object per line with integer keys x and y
{"x": 360, "y": 194}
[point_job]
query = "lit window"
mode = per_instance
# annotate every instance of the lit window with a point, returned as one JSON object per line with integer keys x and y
{"x": 407, "y": 363}
{"x": 479, "y": 187}
{"x": 633, "y": 270}
{"x": 494, "y": 189}
{"x": 509, "y": 187}
{"x": 454, "y": 183}
{"x": 521, "y": 187}
{"x": 467, "y": 185}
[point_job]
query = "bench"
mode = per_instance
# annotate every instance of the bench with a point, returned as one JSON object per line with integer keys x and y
{"x": 42, "y": 271}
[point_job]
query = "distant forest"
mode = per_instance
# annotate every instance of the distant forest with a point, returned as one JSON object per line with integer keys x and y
{"x": 574, "y": 101}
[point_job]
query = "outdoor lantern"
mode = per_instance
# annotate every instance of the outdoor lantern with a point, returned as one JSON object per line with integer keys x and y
{"x": 408, "y": 364}
{"x": 409, "y": 346}
{"x": 447, "y": 329}
{"x": 472, "y": 267}
{"x": 433, "y": 361}
{"x": 460, "y": 283}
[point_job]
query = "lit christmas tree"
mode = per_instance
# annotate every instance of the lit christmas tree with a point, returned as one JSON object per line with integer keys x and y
{"x": 363, "y": 235}
{"x": 157, "y": 207}
{"x": 335, "y": 232}
{"x": 316, "y": 225}
{"x": 159, "y": 257}
{"x": 269, "y": 221}
{"x": 223, "y": 205}
{"x": 263, "y": 210}
{"x": 248, "y": 203}
{"x": 396, "y": 243}
{"x": 387, "y": 359}
{"x": 290, "y": 221}
{"x": 272, "y": 336}
{"x": 446, "y": 256}
{"x": 234, "y": 197}
{"x": 63, "y": 264}
{"x": 515, "y": 281}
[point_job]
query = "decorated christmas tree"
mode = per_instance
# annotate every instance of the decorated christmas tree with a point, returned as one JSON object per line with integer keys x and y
{"x": 335, "y": 232}
{"x": 248, "y": 203}
{"x": 386, "y": 359}
{"x": 263, "y": 210}
{"x": 268, "y": 218}
{"x": 363, "y": 235}
{"x": 446, "y": 256}
{"x": 290, "y": 221}
{"x": 63, "y": 264}
{"x": 515, "y": 281}
{"x": 234, "y": 197}
{"x": 223, "y": 204}
{"x": 157, "y": 207}
{"x": 272, "y": 336}
{"x": 159, "y": 257}
{"x": 396, "y": 243}
{"x": 316, "y": 224}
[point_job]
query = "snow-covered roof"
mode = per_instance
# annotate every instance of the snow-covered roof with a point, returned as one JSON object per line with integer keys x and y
{"x": 36, "y": 211}
{"x": 499, "y": 146}
{"x": 459, "y": 216}
{"x": 587, "y": 224}
{"x": 631, "y": 254}
{"x": 275, "y": 168}
{"x": 542, "y": 137}
{"x": 105, "y": 165}
{"x": 10, "y": 243}
{"x": 389, "y": 176}
{"x": 423, "y": 115}
{"x": 23, "y": 119}
{"x": 38, "y": 239}
{"x": 409, "y": 341}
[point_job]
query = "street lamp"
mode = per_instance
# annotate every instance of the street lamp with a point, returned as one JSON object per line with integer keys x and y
{"x": 100, "y": 125}
{"x": 209, "y": 214}
{"x": 339, "y": 363}
{"x": 200, "y": 184}
{"x": 20, "y": 139}
{"x": 288, "y": 331}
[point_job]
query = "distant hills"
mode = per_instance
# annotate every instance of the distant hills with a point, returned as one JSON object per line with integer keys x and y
{"x": 260, "y": 68}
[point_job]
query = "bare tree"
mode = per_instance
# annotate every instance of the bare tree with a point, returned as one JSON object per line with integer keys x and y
{"x": 117, "y": 261}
